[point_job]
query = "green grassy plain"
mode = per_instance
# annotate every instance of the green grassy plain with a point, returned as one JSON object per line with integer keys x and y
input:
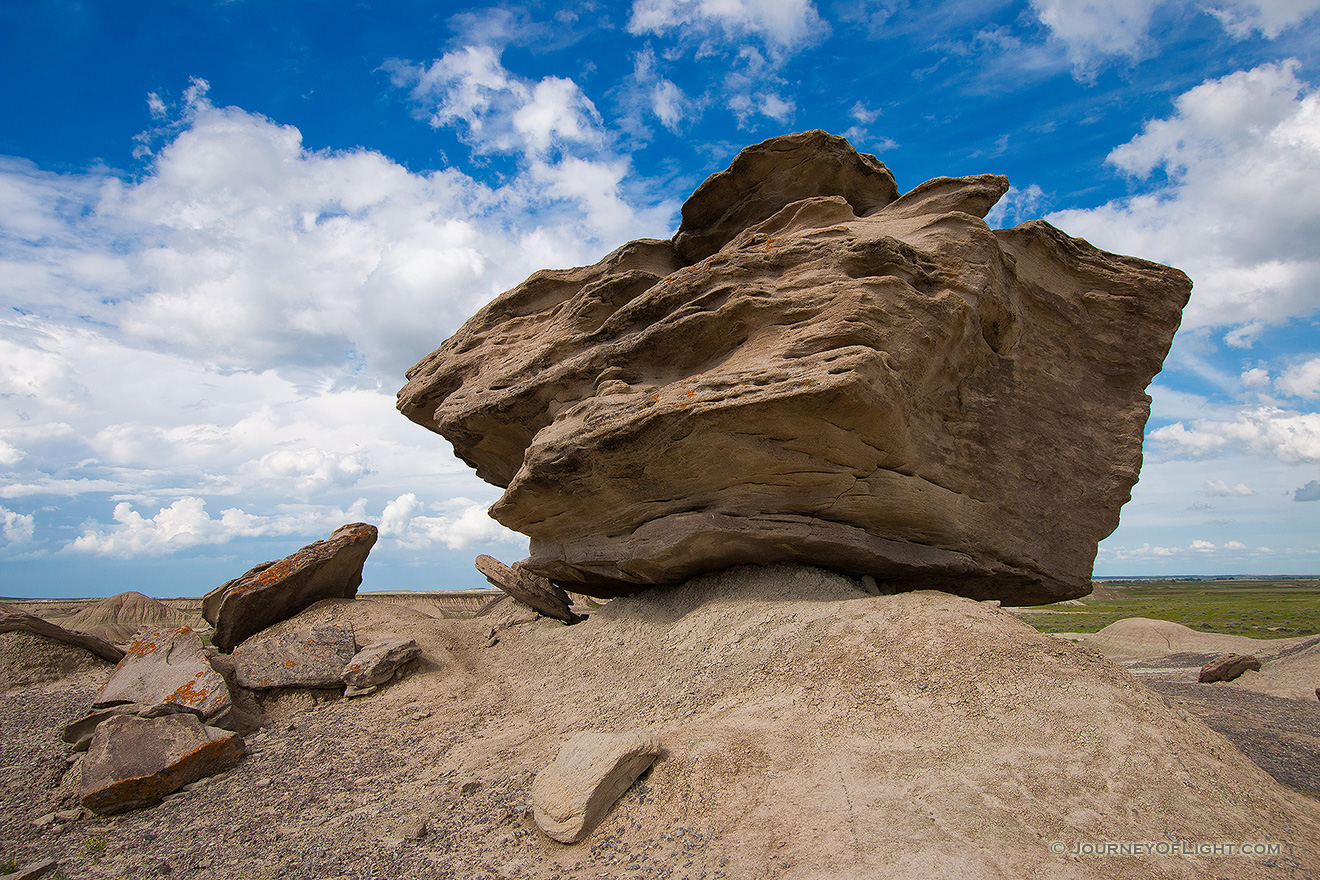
{"x": 1263, "y": 608}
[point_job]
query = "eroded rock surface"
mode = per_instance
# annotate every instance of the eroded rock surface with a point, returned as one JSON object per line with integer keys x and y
{"x": 310, "y": 657}
{"x": 376, "y": 663}
{"x": 275, "y": 591}
{"x": 1228, "y": 667}
{"x": 166, "y": 666}
{"x": 815, "y": 370}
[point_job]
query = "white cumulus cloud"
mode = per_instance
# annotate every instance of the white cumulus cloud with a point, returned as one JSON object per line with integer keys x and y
{"x": 1240, "y": 212}
{"x": 16, "y": 528}
{"x": 456, "y": 523}
{"x": 1268, "y": 17}
{"x": 1265, "y": 430}
{"x": 1302, "y": 380}
{"x": 185, "y": 523}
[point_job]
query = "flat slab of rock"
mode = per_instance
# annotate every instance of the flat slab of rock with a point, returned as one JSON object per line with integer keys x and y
{"x": 15, "y": 620}
{"x": 134, "y": 762}
{"x": 815, "y": 370}
{"x": 275, "y": 591}
{"x": 575, "y": 791}
{"x": 376, "y": 663}
{"x": 532, "y": 590}
{"x": 166, "y": 666}
{"x": 1228, "y": 667}
{"x": 314, "y": 657}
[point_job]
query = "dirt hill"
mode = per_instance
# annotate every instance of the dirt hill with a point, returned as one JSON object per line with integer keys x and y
{"x": 116, "y": 619}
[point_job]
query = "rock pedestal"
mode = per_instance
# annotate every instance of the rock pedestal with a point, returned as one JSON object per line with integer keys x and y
{"x": 815, "y": 370}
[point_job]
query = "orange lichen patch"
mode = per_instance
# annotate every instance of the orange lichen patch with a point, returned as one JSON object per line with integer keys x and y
{"x": 184, "y": 693}
{"x": 183, "y": 629}
{"x": 140, "y": 648}
{"x": 290, "y": 663}
{"x": 354, "y": 667}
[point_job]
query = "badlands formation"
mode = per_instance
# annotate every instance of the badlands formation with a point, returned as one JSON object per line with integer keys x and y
{"x": 818, "y": 370}
{"x": 767, "y": 440}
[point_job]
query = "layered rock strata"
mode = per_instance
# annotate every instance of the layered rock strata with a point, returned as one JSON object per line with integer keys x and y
{"x": 816, "y": 370}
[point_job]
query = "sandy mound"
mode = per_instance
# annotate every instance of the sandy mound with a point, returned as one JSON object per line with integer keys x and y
{"x": 116, "y": 619}
{"x": 1291, "y": 667}
{"x": 811, "y": 731}
{"x": 27, "y": 659}
{"x": 1291, "y": 673}
{"x": 1141, "y": 638}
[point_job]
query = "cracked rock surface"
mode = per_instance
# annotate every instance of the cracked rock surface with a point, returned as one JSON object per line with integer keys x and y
{"x": 815, "y": 370}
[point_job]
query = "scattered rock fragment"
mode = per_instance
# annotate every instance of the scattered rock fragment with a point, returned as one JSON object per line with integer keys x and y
{"x": 1228, "y": 667}
{"x": 532, "y": 590}
{"x": 575, "y": 791}
{"x": 79, "y": 733}
{"x": 14, "y": 620}
{"x": 135, "y": 762}
{"x": 275, "y": 591}
{"x": 313, "y": 657}
{"x": 166, "y": 666}
{"x": 376, "y": 663}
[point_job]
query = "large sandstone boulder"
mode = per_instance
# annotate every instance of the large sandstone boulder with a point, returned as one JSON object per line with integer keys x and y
{"x": 166, "y": 666}
{"x": 275, "y": 591}
{"x": 312, "y": 657}
{"x": 821, "y": 373}
{"x": 574, "y": 792}
{"x": 133, "y": 762}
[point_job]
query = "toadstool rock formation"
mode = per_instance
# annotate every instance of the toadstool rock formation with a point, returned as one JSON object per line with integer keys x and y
{"x": 815, "y": 370}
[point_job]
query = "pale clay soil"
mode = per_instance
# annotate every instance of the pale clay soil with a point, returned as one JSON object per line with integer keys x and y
{"x": 810, "y": 731}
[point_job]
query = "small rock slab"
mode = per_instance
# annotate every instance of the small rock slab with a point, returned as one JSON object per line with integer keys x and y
{"x": 16, "y": 620}
{"x": 376, "y": 663}
{"x": 575, "y": 791}
{"x": 135, "y": 762}
{"x": 33, "y": 870}
{"x": 532, "y": 590}
{"x": 275, "y": 591}
{"x": 166, "y": 665}
{"x": 1228, "y": 667}
{"x": 312, "y": 657}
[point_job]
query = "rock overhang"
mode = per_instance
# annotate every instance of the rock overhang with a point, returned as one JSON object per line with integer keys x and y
{"x": 878, "y": 384}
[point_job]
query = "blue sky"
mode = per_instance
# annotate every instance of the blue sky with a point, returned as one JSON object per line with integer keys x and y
{"x": 227, "y": 228}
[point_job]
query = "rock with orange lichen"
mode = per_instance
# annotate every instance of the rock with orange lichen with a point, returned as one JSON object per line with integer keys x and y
{"x": 378, "y": 662}
{"x": 134, "y": 762}
{"x": 275, "y": 591}
{"x": 166, "y": 666}
{"x": 314, "y": 657}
